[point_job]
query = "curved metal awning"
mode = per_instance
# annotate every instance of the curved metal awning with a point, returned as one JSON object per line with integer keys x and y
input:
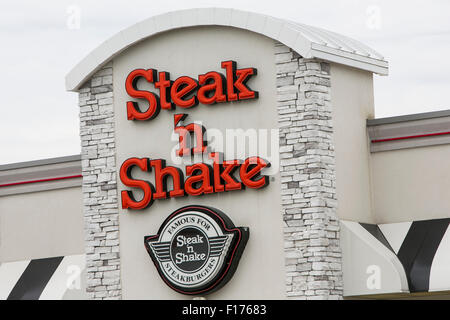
{"x": 308, "y": 41}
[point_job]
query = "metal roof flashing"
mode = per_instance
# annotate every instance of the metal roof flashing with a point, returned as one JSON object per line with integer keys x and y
{"x": 408, "y": 117}
{"x": 308, "y": 41}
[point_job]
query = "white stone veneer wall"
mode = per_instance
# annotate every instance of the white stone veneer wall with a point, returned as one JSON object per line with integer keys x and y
{"x": 100, "y": 201}
{"x": 308, "y": 186}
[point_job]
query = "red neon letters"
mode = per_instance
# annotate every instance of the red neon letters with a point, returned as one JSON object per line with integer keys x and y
{"x": 201, "y": 179}
{"x": 133, "y": 110}
{"x": 186, "y": 92}
{"x": 128, "y": 200}
{"x": 184, "y": 131}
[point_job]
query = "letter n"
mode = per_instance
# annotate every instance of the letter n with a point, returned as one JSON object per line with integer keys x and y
{"x": 185, "y": 132}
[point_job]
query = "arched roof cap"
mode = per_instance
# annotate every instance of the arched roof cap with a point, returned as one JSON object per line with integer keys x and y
{"x": 308, "y": 41}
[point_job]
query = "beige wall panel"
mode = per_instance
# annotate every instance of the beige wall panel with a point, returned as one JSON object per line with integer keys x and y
{"x": 411, "y": 184}
{"x": 41, "y": 224}
{"x": 352, "y": 100}
{"x": 191, "y": 52}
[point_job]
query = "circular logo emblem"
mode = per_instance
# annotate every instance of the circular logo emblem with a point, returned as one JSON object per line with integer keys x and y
{"x": 197, "y": 249}
{"x": 189, "y": 249}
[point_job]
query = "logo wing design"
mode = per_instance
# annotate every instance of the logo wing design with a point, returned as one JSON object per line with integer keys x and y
{"x": 161, "y": 250}
{"x": 219, "y": 244}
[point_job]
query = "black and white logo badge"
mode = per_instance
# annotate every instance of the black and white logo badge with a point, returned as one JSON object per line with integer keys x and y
{"x": 197, "y": 249}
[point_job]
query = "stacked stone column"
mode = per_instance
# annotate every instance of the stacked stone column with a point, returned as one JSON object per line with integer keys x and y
{"x": 308, "y": 186}
{"x": 99, "y": 186}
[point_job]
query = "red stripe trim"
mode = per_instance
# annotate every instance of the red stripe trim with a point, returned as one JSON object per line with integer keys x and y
{"x": 412, "y": 137}
{"x": 40, "y": 180}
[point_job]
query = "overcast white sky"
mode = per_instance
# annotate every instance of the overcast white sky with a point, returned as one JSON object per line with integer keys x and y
{"x": 39, "y": 46}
